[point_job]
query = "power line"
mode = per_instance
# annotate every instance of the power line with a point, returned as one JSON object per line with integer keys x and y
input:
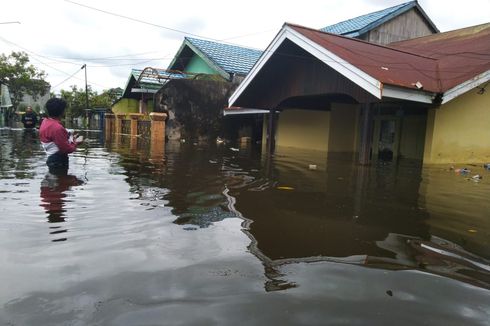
{"x": 136, "y": 20}
{"x": 69, "y": 77}
{"x": 160, "y": 26}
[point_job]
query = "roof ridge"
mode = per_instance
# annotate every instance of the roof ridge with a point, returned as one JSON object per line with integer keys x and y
{"x": 223, "y": 43}
{"x": 362, "y": 41}
{"x": 399, "y": 6}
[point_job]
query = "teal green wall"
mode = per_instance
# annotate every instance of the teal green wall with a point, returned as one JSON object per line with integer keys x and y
{"x": 199, "y": 66}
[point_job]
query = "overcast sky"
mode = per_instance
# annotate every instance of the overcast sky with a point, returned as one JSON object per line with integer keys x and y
{"x": 60, "y": 36}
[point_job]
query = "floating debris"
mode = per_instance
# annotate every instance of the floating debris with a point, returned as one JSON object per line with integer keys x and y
{"x": 462, "y": 171}
{"x": 312, "y": 166}
{"x": 234, "y": 149}
{"x": 285, "y": 188}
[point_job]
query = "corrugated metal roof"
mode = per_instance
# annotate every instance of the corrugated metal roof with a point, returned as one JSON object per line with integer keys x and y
{"x": 155, "y": 81}
{"x": 439, "y": 61}
{"x": 352, "y": 26}
{"x": 231, "y": 58}
{"x": 389, "y": 66}
{"x": 461, "y": 54}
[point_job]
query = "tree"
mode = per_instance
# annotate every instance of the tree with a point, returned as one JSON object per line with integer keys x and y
{"x": 21, "y": 77}
{"x": 76, "y": 100}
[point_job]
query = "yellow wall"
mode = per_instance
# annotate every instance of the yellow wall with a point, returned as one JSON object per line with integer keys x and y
{"x": 344, "y": 119}
{"x": 304, "y": 129}
{"x": 459, "y": 131}
{"x": 126, "y": 105}
{"x": 129, "y": 105}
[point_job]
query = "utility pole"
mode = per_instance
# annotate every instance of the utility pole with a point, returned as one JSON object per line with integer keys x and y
{"x": 86, "y": 88}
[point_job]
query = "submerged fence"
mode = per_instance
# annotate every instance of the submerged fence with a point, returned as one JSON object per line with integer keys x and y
{"x": 136, "y": 125}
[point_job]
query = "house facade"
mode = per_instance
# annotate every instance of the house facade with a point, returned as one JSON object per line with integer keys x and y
{"x": 401, "y": 22}
{"x": 416, "y": 99}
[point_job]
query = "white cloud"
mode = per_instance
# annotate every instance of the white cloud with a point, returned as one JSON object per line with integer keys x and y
{"x": 56, "y": 31}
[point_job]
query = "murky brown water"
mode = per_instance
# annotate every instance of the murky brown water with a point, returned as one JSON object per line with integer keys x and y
{"x": 203, "y": 235}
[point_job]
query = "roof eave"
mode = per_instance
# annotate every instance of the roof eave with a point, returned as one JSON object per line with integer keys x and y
{"x": 465, "y": 86}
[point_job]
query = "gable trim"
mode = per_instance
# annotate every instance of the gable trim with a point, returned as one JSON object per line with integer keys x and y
{"x": 201, "y": 55}
{"x": 400, "y": 11}
{"x": 363, "y": 80}
{"x": 408, "y": 94}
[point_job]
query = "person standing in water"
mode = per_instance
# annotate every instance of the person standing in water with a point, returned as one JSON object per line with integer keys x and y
{"x": 29, "y": 119}
{"x": 55, "y": 139}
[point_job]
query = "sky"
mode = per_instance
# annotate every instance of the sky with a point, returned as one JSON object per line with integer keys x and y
{"x": 112, "y": 37}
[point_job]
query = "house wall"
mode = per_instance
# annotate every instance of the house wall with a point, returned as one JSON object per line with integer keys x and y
{"x": 198, "y": 65}
{"x": 408, "y": 25}
{"x": 306, "y": 129}
{"x": 412, "y": 137}
{"x": 343, "y": 138}
{"x": 126, "y": 105}
{"x": 459, "y": 131}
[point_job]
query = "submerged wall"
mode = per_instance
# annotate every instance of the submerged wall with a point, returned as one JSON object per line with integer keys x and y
{"x": 344, "y": 127}
{"x": 459, "y": 131}
{"x": 305, "y": 129}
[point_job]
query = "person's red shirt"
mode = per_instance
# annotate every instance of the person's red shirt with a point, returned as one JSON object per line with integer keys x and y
{"x": 52, "y": 132}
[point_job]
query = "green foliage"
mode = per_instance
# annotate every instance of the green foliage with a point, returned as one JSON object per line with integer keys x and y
{"x": 21, "y": 77}
{"x": 77, "y": 100}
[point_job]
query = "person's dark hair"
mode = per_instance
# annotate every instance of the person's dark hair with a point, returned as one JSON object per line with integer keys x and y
{"x": 55, "y": 107}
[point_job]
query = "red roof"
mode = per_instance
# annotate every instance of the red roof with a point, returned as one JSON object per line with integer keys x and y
{"x": 438, "y": 62}
{"x": 461, "y": 54}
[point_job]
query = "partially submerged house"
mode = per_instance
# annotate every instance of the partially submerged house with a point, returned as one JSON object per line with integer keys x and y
{"x": 401, "y": 22}
{"x": 138, "y": 94}
{"x": 423, "y": 99}
{"x": 194, "y": 105}
{"x": 231, "y": 62}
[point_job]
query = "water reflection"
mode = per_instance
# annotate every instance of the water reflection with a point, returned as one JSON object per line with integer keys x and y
{"x": 337, "y": 212}
{"x": 173, "y": 233}
{"x": 54, "y": 199}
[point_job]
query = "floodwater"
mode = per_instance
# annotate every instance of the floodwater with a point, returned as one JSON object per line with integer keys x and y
{"x": 199, "y": 234}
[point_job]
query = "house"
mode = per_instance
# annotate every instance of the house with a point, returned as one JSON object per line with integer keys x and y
{"x": 404, "y": 21}
{"x": 422, "y": 99}
{"x": 138, "y": 94}
{"x": 194, "y": 105}
{"x": 199, "y": 56}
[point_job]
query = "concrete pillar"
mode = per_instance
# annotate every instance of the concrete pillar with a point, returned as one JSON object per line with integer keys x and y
{"x": 158, "y": 126}
{"x": 109, "y": 125}
{"x": 142, "y": 106}
{"x": 119, "y": 118}
{"x": 271, "y": 132}
{"x": 134, "y": 123}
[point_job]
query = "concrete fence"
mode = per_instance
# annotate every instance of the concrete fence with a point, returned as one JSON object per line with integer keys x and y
{"x": 136, "y": 125}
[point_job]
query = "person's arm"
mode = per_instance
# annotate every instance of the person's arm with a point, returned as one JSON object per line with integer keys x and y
{"x": 60, "y": 138}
